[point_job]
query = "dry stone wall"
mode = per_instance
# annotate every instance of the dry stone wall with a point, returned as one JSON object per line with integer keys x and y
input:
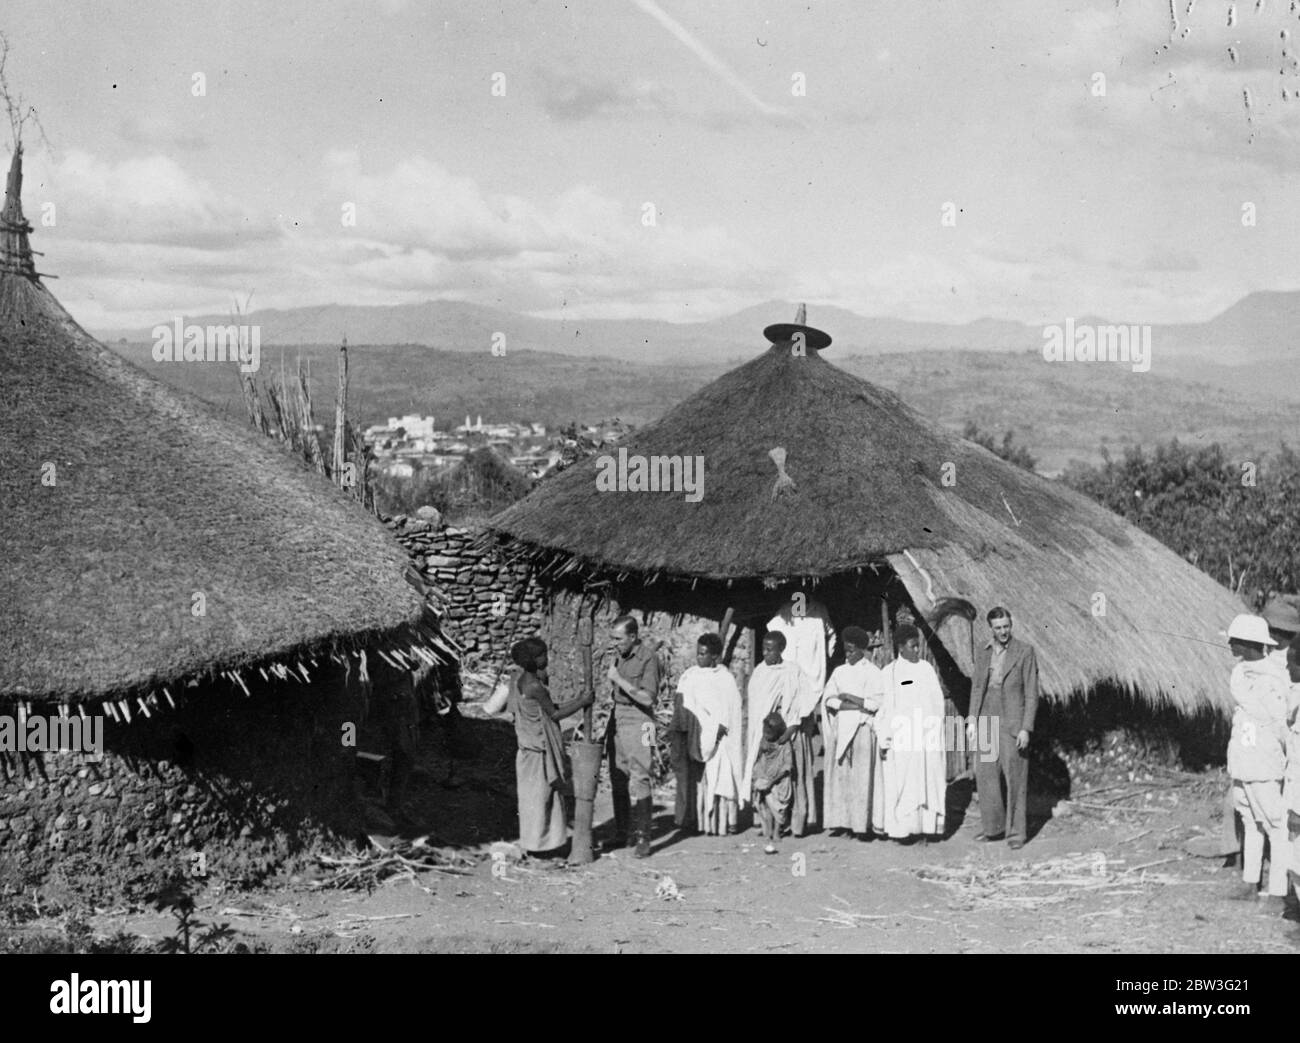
{"x": 489, "y": 603}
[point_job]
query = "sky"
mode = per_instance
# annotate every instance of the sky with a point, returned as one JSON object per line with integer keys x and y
{"x": 661, "y": 159}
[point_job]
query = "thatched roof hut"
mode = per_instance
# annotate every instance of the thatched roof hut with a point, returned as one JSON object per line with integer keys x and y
{"x": 148, "y": 542}
{"x": 875, "y": 490}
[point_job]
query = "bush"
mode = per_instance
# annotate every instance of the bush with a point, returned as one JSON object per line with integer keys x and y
{"x": 479, "y": 486}
{"x": 1237, "y": 520}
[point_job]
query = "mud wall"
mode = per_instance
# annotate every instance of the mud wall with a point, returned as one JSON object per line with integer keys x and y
{"x": 228, "y": 785}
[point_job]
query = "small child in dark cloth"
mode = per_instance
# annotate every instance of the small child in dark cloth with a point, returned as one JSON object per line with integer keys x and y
{"x": 773, "y": 785}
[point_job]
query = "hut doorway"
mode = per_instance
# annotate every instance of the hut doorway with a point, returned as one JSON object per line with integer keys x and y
{"x": 876, "y": 600}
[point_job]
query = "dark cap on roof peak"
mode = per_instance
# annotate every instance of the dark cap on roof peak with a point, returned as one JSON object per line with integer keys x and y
{"x": 786, "y": 332}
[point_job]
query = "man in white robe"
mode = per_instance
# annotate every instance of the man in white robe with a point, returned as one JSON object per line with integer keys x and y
{"x": 849, "y": 705}
{"x": 913, "y": 778}
{"x": 810, "y": 641}
{"x": 778, "y": 685}
{"x": 711, "y": 707}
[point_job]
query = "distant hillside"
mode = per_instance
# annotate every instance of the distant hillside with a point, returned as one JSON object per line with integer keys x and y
{"x": 392, "y": 380}
{"x": 456, "y": 326}
{"x": 1261, "y": 326}
{"x": 1068, "y": 412}
{"x": 1061, "y": 412}
{"x": 1256, "y": 328}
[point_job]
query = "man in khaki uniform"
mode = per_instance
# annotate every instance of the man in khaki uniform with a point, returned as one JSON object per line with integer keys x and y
{"x": 630, "y": 737}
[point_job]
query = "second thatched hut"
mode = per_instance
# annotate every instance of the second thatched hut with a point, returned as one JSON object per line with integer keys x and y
{"x": 816, "y": 481}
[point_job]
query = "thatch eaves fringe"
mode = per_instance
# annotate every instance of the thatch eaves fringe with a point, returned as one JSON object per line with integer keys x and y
{"x": 410, "y": 647}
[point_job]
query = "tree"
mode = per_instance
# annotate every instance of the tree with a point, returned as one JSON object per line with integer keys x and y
{"x": 1014, "y": 454}
{"x": 478, "y": 487}
{"x": 576, "y": 445}
{"x": 1237, "y": 520}
{"x": 20, "y": 113}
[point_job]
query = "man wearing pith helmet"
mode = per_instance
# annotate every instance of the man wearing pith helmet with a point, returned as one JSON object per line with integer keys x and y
{"x": 1257, "y": 755}
{"x": 1283, "y": 619}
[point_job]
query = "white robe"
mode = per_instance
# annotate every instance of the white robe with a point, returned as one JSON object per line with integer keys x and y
{"x": 863, "y": 680}
{"x": 809, "y": 640}
{"x": 711, "y": 697}
{"x": 783, "y": 688}
{"x": 913, "y": 774}
{"x": 850, "y": 797}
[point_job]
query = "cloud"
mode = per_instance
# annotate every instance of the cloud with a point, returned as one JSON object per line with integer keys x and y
{"x": 570, "y": 96}
{"x": 420, "y": 203}
{"x": 573, "y": 96}
{"x": 147, "y": 232}
{"x": 157, "y": 134}
{"x": 963, "y": 286}
{"x": 1170, "y": 259}
{"x": 150, "y": 200}
{"x": 421, "y": 212}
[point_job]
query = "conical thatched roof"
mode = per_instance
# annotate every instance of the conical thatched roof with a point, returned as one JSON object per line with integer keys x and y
{"x": 876, "y": 483}
{"x": 123, "y": 502}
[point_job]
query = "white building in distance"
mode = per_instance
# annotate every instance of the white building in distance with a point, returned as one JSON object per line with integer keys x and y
{"x": 414, "y": 425}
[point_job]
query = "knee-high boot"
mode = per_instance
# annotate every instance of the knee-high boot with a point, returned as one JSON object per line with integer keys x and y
{"x": 622, "y": 809}
{"x": 644, "y": 812}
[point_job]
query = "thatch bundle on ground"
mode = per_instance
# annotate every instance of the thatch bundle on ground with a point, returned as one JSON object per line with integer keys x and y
{"x": 874, "y": 508}
{"x": 215, "y": 599}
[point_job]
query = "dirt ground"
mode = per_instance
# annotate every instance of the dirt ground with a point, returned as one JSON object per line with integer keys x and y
{"x": 1091, "y": 879}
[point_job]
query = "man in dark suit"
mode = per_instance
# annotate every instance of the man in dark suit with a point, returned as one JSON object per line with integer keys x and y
{"x": 1004, "y": 689}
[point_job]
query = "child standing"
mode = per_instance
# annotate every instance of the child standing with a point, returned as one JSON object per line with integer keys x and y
{"x": 773, "y": 785}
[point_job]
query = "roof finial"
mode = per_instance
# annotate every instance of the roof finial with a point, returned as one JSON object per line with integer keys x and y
{"x": 798, "y": 332}
{"x": 15, "y": 249}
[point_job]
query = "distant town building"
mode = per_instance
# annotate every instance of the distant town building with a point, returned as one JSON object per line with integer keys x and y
{"x": 409, "y": 443}
{"x": 415, "y": 426}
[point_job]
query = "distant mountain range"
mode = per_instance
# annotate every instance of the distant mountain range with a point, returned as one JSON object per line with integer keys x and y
{"x": 1060, "y": 412}
{"x": 1234, "y": 379}
{"x": 1257, "y": 329}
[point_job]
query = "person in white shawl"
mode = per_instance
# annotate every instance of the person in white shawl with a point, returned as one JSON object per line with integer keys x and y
{"x": 913, "y": 777}
{"x": 810, "y": 641}
{"x": 780, "y": 686}
{"x": 711, "y": 719}
{"x": 849, "y": 706}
